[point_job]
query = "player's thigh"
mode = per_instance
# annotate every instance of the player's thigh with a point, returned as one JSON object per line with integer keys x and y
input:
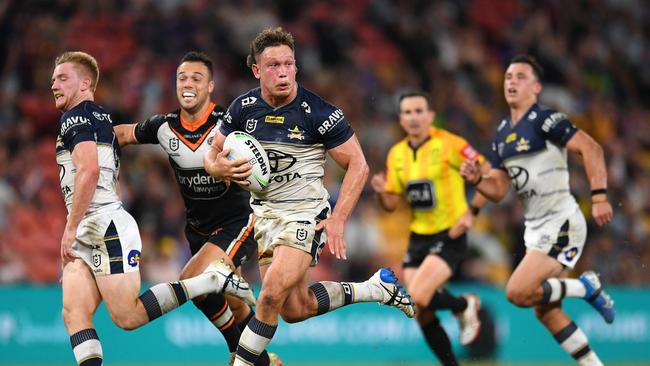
{"x": 299, "y": 304}
{"x": 431, "y": 260}
{"x": 408, "y": 274}
{"x": 534, "y": 268}
{"x": 288, "y": 269}
{"x": 206, "y": 255}
{"x": 120, "y": 293}
{"x": 300, "y": 290}
{"x": 432, "y": 273}
{"x": 233, "y": 242}
{"x": 80, "y": 296}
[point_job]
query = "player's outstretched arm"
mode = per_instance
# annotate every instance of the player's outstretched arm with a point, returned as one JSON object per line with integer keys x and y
{"x": 594, "y": 161}
{"x": 84, "y": 158}
{"x": 350, "y": 157}
{"x": 216, "y": 163}
{"x": 387, "y": 200}
{"x": 494, "y": 184}
{"x": 125, "y": 135}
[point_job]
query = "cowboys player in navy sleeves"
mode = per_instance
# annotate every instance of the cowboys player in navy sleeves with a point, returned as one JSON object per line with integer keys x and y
{"x": 529, "y": 152}
{"x": 293, "y": 217}
{"x": 100, "y": 247}
{"x": 219, "y": 218}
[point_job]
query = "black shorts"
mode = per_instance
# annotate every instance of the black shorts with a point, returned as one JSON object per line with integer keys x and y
{"x": 235, "y": 238}
{"x": 450, "y": 250}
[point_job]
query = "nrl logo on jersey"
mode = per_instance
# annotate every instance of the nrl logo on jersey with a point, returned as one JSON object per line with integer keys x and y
{"x": 296, "y": 133}
{"x": 522, "y": 145}
{"x": 511, "y": 137}
{"x": 251, "y": 125}
{"x": 173, "y": 144}
{"x": 248, "y": 101}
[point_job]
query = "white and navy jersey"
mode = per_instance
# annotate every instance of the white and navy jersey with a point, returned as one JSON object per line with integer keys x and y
{"x": 89, "y": 122}
{"x": 209, "y": 202}
{"x": 296, "y": 137}
{"x": 533, "y": 154}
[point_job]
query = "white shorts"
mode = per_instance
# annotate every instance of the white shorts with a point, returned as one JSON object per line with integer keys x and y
{"x": 562, "y": 238}
{"x": 109, "y": 242}
{"x": 295, "y": 232}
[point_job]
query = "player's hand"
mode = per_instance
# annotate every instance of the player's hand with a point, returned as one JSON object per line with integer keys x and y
{"x": 602, "y": 212}
{"x": 217, "y": 165}
{"x": 470, "y": 170}
{"x": 333, "y": 227}
{"x": 69, "y": 235}
{"x": 462, "y": 225}
{"x": 378, "y": 182}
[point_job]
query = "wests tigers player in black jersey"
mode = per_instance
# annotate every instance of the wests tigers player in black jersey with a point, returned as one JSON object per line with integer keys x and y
{"x": 219, "y": 218}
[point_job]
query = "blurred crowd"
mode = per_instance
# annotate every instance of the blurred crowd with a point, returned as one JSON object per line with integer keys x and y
{"x": 359, "y": 55}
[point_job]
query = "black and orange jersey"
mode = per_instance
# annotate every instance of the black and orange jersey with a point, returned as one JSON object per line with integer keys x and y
{"x": 209, "y": 202}
{"x": 429, "y": 177}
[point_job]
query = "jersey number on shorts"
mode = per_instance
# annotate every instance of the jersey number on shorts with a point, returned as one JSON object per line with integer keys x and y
{"x": 421, "y": 194}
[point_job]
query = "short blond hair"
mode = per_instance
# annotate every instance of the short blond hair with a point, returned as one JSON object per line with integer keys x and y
{"x": 85, "y": 61}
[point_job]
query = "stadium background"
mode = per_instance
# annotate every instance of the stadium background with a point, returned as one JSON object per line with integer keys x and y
{"x": 359, "y": 55}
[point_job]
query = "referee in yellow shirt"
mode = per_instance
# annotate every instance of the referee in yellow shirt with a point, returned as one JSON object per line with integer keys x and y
{"x": 424, "y": 169}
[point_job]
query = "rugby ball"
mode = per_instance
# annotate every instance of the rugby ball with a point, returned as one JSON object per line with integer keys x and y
{"x": 243, "y": 145}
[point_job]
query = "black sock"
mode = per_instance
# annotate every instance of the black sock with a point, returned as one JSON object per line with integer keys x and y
{"x": 264, "y": 359}
{"x": 443, "y": 299}
{"x": 215, "y": 308}
{"x": 438, "y": 341}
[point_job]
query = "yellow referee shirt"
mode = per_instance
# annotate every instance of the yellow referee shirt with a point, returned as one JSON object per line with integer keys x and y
{"x": 429, "y": 177}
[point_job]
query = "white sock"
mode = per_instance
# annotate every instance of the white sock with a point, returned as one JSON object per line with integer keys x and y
{"x": 574, "y": 341}
{"x": 86, "y": 347}
{"x": 556, "y": 289}
{"x": 165, "y": 297}
{"x": 333, "y": 295}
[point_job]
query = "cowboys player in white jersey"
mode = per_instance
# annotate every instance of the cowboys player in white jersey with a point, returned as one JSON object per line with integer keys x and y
{"x": 100, "y": 248}
{"x": 219, "y": 220}
{"x": 530, "y": 153}
{"x": 297, "y": 128}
